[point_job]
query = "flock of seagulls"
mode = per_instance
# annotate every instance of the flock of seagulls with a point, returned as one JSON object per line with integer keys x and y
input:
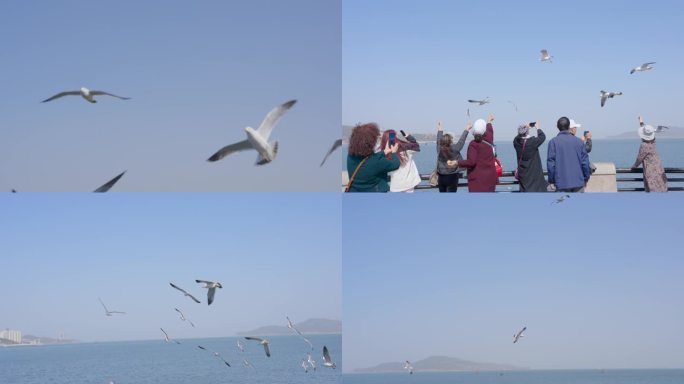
{"x": 546, "y": 57}
{"x": 308, "y": 363}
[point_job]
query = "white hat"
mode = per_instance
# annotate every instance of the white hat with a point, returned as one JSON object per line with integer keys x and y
{"x": 574, "y": 124}
{"x": 480, "y": 127}
{"x": 647, "y": 132}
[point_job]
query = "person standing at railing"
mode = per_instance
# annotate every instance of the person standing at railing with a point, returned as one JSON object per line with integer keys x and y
{"x": 586, "y": 139}
{"x": 655, "y": 179}
{"x": 482, "y": 175}
{"x": 530, "y": 173}
{"x": 407, "y": 176}
{"x": 368, "y": 169}
{"x": 567, "y": 161}
{"x": 448, "y": 151}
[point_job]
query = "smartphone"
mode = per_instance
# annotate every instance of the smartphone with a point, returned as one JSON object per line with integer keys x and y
{"x": 392, "y": 138}
{"x": 403, "y": 133}
{"x": 586, "y": 133}
{"x": 532, "y": 124}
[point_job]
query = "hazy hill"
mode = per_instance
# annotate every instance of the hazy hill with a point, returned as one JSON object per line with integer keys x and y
{"x": 309, "y": 326}
{"x": 439, "y": 363}
{"x": 671, "y": 133}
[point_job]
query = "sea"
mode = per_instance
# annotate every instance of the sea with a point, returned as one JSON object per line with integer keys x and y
{"x": 156, "y": 361}
{"x": 664, "y": 376}
{"x": 621, "y": 152}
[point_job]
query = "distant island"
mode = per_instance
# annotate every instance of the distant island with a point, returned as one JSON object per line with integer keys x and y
{"x": 311, "y": 326}
{"x": 440, "y": 364}
{"x": 671, "y": 133}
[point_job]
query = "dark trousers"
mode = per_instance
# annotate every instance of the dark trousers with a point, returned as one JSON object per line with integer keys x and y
{"x": 448, "y": 183}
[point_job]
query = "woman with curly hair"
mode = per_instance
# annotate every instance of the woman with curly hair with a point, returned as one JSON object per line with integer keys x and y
{"x": 368, "y": 169}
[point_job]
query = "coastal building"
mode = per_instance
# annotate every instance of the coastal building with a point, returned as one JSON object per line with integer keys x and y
{"x": 11, "y": 335}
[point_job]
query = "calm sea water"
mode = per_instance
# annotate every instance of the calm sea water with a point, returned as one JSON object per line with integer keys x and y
{"x": 524, "y": 377}
{"x": 159, "y": 362}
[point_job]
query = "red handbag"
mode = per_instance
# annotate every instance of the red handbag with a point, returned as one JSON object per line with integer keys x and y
{"x": 499, "y": 169}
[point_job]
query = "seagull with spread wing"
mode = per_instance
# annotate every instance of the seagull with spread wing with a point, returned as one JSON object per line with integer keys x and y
{"x": 291, "y": 326}
{"x": 107, "y": 311}
{"x": 211, "y": 286}
{"x": 85, "y": 93}
{"x": 327, "y": 361}
{"x": 185, "y": 293}
{"x": 263, "y": 342}
{"x": 518, "y": 335}
{"x": 642, "y": 68}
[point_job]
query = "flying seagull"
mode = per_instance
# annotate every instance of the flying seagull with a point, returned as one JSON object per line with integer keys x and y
{"x": 291, "y": 326}
{"x": 215, "y": 354}
{"x": 305, "y": 366}
{"x": 518, "y": 335}
{"x": 336, "y": 144}
{"x": 514, "y": 106}
{"x": 211, "y": 286}
{"x": 166, "y": 337}
{"x": 186, "y": 293}
{"x": 311, "y": 361}
{"x": 608, "y": 95}
{"x": 407, "y": 365}
{"x": 241, "y": 346}
{"x": 263, "y": 342}
{"x": 661, "y": 128}
{"x": 84, "y": 93}
{"x": 258, "y": 139}
{"x": 642, "y": 68}
{"x": 107, "y": 311}
{"x": 182, "y": 317}
{"x": 545, "y": 56}
{"x": 327, "y": 361}
{"x": 561, "y": 199}
{"x": 108, "y": 185}
{"x": 480, "y": 102}
{"x": 247, "y": 364}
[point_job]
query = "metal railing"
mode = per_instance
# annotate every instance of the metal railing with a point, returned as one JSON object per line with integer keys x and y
{"x": 508, "y": 180}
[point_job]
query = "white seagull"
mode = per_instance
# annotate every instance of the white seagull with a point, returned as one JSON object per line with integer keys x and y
{"x": 327, "y": 361}
{"x": 305, "y": 366}
{"x": 107, "y": 311}
{"x": 518, "y": 335}
{"x": 240, "y": 346}
{"x": 108, "y": 185}
{"x": 182, "y": 317}
{"x": 336, "y": 144}
{"x": 480, "y": 102}
{"x": 185, "y": 293}
{"x": 258, "y": 139}
{"x": 407, "y": 365}
{"x": 545, "y": 56}
{"x": 642, "y": 68}
{"x": 247, "y": 364}
{"x": 291, "y": 326}
{"x": 166, "y": 337}
{"x": 86, "y": 94}
{"x": 560, "y": 199}
{"x": 661, "y": 128}
{"x": 215, "y": 354}
{"x": 311, "y": 361}
{"x": 608, "y": 95}
{"x": 263, "y": 342}
{"x": 211, "y": 286}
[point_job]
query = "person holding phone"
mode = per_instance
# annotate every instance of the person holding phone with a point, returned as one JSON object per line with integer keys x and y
{"x": 530, "y": 170}
{"x": 368, "y": 169}
{"x": 406, "y": 177}
{"x": 655, "y": 179}
{"x": 480, "y": 161}
{"x": 448, "y": 153}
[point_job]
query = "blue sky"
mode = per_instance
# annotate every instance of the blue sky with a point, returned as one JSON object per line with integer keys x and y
{"x": 597, "y": 280}
{"x": 198, "y": 74}
{"x": 276, "y": 255}
{"x": 408, "y": 64}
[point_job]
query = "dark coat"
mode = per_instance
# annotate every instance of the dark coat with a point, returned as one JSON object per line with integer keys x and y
{"x": 480, "y": 164}
{"x": 456, "y": 148}
{"x": 530, "y": 170}
{"x": 372, "y": 176}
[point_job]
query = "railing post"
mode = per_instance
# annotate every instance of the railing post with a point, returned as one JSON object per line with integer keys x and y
{"x": 603, "y": 179}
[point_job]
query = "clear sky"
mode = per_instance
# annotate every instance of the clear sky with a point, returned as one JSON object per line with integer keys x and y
{"x": 597, "y": 280}
{"x": 408, "y": 64}
{"x": 276, "y": 255}
{"x": 198, "y": 74}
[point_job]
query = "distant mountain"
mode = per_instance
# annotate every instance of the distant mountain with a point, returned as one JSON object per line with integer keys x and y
{"x": 440, "y": 364}
{"x": 311, "y": 326}
{"x": 671, "y": 133}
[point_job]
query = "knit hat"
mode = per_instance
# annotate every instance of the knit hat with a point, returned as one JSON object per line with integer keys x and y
{"x": 480, "y": 127}
{"x": 523, "y": 129}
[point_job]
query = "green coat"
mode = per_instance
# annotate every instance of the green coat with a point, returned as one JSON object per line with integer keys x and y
{"x": 372, "y": 176}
